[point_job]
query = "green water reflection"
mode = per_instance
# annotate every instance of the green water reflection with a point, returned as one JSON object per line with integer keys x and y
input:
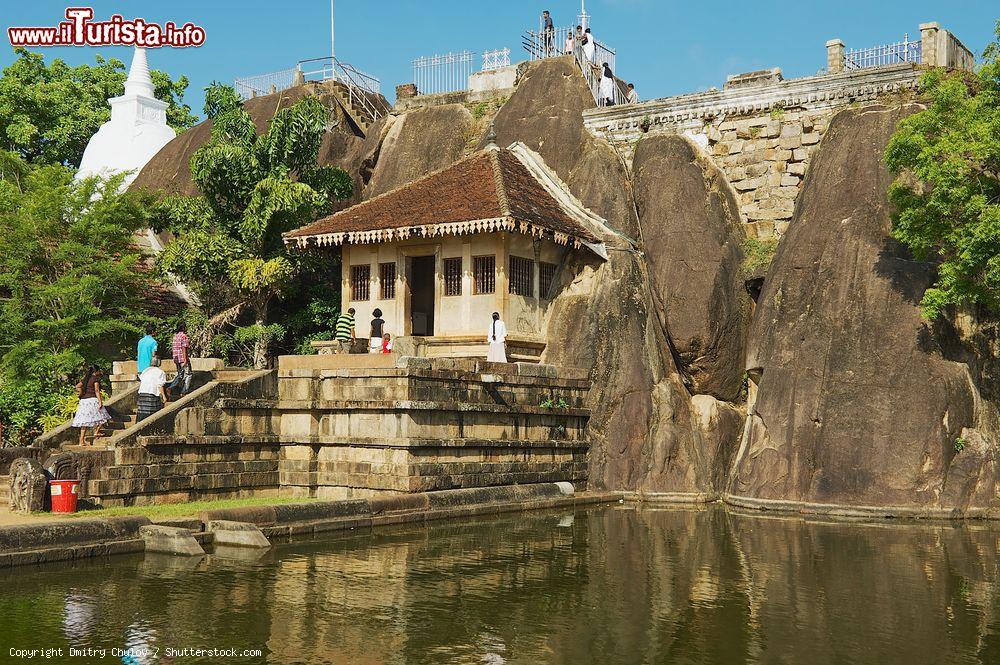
{"x": 606, "y": 585}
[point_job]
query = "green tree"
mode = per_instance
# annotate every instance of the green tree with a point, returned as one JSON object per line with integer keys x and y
{"x": 70, "y": 281}
{"x": 48, "y": 112}
{"x": 254, "y": 188}
{"x": 947, "y": 193}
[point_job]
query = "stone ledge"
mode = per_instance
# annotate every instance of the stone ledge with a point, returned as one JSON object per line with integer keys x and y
{"x": 356, "y": 406}
{"x": 341, "y": 442}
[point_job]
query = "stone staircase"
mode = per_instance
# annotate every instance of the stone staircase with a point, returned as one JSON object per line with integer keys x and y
{"x": 362, "y": 107}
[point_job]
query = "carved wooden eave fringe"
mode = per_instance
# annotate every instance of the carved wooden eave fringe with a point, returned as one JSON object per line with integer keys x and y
{"x": 495, "y": 225}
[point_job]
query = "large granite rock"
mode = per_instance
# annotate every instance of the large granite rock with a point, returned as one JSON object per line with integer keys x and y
{"x": 545, "y": 113}
{"x": 420, "y": 142}
{"x": 693, "y": 241}
{"x": 169, "y": 170}
{"x": 855, "y": 403}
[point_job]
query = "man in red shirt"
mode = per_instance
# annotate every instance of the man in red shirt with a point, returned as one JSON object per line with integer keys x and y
{"x": 182, "y": 360}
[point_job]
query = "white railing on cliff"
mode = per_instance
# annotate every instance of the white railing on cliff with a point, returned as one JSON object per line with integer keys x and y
{"x": 884, "y": 54}
{"x": 362, "y": 89}
{"x": 556, "y": 42}
{"x": 450, "y": 72}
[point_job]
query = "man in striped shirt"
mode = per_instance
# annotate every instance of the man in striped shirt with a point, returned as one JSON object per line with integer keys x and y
{"x": 345, "y": 331}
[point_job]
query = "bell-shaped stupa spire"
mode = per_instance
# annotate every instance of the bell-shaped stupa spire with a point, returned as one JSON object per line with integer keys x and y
{"x": 139, "y": 82}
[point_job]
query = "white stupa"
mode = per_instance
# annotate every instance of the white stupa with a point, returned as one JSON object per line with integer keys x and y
{"x": 137, "y": 130}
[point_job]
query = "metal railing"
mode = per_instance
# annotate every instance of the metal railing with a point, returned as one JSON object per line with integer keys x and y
{"x": 590, "y": 59}
{"x": 265, "y": 84}
{"x": 449, "y": 72}
{"x": 363, "y": 90}
{"x": 496, "y": 59}
{"x": 885, "y": 54}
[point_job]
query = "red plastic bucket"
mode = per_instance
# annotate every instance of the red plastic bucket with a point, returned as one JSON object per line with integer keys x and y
{"x": 64, "y": 494}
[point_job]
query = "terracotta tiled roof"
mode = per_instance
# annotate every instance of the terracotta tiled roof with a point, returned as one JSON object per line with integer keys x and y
{"x": 492, "y": 190}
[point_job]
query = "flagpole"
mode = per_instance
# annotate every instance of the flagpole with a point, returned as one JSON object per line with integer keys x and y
{"x": 333, "y": 52}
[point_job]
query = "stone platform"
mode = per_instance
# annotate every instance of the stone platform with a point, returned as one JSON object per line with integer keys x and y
{"x": 339, "y": 427}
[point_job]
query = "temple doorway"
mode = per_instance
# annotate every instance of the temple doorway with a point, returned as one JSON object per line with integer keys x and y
{"x": 422, "y": 296}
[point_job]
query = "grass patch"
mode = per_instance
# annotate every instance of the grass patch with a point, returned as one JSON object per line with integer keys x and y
{"x": 757, "y": 255}
{"x": 168, "y": 510}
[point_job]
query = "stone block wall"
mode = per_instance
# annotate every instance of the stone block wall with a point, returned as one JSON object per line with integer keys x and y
{"x": 313, "y": 429}
{"x": 765, "y": 158}
{"x": 762, "y": 133}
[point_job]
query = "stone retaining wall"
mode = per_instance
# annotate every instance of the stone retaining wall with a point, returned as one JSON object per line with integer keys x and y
{"x": 762, "y": 132}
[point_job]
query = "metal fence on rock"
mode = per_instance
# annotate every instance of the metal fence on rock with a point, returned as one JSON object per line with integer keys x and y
{"x": 885, "y": 54}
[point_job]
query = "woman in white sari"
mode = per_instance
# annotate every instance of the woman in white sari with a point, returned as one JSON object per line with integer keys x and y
{"x": 496, "y": 336}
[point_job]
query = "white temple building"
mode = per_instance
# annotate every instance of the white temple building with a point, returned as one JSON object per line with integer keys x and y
{"x": 137, "y": 130}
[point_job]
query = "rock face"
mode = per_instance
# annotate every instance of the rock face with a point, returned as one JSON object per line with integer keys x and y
{"x": 28, "y": 486}
{"x": 421, "y": 142}
{"x": 169, "y": 171}
{"x": 855, "y": 403}
{"x": 693, "y": 239}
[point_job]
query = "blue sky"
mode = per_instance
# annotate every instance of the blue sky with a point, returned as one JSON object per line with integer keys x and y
{"x": 666, "y": 47}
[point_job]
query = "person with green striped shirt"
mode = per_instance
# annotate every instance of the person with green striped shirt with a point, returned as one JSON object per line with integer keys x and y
{"x": 345, "y": 331}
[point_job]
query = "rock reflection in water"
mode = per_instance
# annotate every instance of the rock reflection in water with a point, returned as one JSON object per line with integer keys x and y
{"x": 610, "y": 585}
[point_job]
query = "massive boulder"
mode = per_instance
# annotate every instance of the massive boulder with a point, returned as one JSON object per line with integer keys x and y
{"x": 855, "y": 403}
{"x": 545, "y": 113}
{"x": 420, "y": 142}
{"x": 169, "y": 170}
{"x": 693, "y": 239}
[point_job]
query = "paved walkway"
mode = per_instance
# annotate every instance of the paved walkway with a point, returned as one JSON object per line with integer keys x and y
{"x": 9, "y": 518}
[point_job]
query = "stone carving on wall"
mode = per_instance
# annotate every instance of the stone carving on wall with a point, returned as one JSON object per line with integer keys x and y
{"x": 28, "y": 486}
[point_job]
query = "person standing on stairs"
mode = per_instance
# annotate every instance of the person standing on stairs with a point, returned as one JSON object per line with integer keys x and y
{"x": 496, "y": 336}
{"x": 146, "y": 349}
{"x": 152, "y": 396}
{"x": 607, "y": 87}
{"x": 90, "y": 413}
{"x": 180, "y": 347}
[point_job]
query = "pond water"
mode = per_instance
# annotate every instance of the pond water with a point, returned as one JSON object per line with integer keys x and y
{"x": 610, "y": 584}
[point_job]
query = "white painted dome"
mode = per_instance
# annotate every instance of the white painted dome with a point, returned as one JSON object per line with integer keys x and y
{"x": 137, "y": 130}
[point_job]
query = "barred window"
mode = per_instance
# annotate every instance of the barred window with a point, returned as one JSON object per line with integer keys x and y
{"x": 453, "y": 276}
{"x": 361, "y": 281}
{"x": 484, "y": 274}
{"x": 387, "y": 280}
{"x": 546, "y": 273}
{"x": 521, "y": 276}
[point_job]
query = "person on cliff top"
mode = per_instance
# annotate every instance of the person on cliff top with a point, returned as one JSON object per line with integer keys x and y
{"x": 387, "y": 343}
{"x": 549, "y": 32}
{"x": 145, "y": 349}
{"x": 589, "y": 47}
{"x": 377, "y": 330}
{"x": 570, "y": 47}
{"x": 496, "y": 336}
{"x": 633, "y": 95}
{"x": 606, "y": 91}
{"x": 152, "y": 395}
{"x": 345, "y": 331}
{"x": 180, "y": 346}
{"x": 90, "y": 413}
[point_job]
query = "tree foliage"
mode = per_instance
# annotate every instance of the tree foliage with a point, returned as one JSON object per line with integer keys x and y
{"x": 253, "y": 189}
{"x": 48, "y": 112}
{"x": 947, "y": 193}
{"x": 71, "y": 282}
